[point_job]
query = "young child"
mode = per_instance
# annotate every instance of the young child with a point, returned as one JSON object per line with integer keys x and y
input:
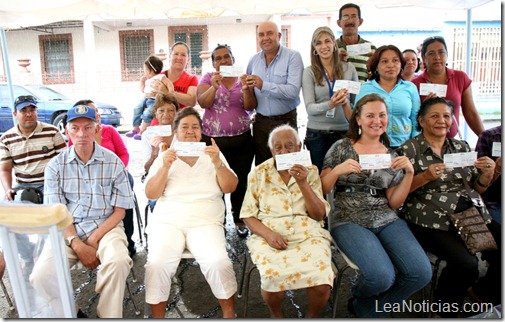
{"x": 142, "y": 114}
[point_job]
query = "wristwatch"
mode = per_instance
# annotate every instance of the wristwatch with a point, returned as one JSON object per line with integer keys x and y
{"x": 68, "y": 240}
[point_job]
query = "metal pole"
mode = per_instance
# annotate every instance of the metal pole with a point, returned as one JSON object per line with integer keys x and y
{"x": 468, "y": 63}
{"x": 3, "y": 40}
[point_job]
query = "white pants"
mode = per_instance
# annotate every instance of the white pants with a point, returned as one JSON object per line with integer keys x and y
{"x": 208, "y": 246}
{"x": 115, "y": 264}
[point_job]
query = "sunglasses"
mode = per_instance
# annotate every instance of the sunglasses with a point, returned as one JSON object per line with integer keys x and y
{"x": 433, "y": 38}
{"x": 25, "y": 98}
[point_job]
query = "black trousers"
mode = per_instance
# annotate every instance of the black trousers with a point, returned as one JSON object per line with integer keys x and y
{"x": 239, "y": 153}
{"x": 461, "y": 270}
{"x": 262, "y": 126}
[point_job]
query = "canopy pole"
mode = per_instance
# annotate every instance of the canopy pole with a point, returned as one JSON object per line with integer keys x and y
{"x": 468, "y": 63}
{"x": 7, "y": 72}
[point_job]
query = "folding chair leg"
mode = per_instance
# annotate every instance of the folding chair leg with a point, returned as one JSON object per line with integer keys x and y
{"x": 139, "y": 219}
{"x": 246, "y": 290}
{"x": 137, "y": 312}
{"x": 7, "y": 297}
{"x": 244, "y": 266}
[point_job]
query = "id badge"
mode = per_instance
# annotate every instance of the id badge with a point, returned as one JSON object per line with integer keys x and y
{"x": 330, "y": 113}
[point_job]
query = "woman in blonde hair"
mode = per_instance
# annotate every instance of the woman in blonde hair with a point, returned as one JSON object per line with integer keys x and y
{"x": 327, "y": 109}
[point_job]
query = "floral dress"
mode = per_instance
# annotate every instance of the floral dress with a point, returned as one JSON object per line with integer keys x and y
{"x": 307, "y": 260}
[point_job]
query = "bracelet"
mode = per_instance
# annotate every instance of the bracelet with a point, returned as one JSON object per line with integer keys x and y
{"x": 220, "y": 167}
{"x": 483, "y": 185}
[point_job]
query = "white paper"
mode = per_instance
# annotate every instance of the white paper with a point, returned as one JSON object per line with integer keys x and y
{"x": 458, "y": 160}
{"x": 351, "y": 86}
{"x": 286, "y": 161}
{"x": 496, "y": 152}
{"x": 359, "y": 49}
{"x": 375, "y": 161}
{"x": 330, "y": 113}
{"x": 231, "y": 71}
{"x": 189, "y": 149}
{"x": 160, "y": 130}
{"x": 439, "y": 89}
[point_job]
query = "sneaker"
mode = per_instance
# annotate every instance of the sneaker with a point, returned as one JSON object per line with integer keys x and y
{"x": 138, "y": 136}
{"x": 132, "y": 133}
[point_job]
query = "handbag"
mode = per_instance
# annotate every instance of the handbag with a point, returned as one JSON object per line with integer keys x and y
{"x": 472, "y": 227}
{"x": 473, "y": 230}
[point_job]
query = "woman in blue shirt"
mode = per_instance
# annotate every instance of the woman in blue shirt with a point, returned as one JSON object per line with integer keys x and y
{"x": 401, "y": 97}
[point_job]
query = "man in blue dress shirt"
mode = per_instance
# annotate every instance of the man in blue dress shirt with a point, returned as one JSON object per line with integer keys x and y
{"x": 276, "y": 74}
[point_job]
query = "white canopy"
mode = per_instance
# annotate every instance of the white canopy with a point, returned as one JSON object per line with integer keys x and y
{"x": 15, "y": 14}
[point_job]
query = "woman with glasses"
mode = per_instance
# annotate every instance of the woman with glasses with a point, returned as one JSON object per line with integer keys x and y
{"x": 459, "y": 91}
{"x": 227, "y": 102}
{"x": 384, "y": 78}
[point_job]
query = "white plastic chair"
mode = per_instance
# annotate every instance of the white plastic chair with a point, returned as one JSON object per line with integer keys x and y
{"x": 47, "y": 221}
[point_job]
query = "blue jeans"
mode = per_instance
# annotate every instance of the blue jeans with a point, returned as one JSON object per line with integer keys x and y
{"x": 378, "y": 252}
{"x": 143, "y": 111}
{"x": 147, "y": 115}
{"x": 318, "y": 142}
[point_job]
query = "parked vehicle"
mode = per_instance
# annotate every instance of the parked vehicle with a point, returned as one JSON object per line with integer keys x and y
{"x": 52, "y": 106}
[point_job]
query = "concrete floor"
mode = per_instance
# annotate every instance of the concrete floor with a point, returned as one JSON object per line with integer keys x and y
{"x": 191, "y": 296}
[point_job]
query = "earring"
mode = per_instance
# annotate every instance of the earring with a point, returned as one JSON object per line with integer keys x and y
{"x": 359, "y": 129}
{"x": 376, "y": 73}
{"x": 315, "y": 53}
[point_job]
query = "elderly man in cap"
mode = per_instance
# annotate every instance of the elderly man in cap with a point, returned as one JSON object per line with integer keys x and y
{"x": 93, "y": 183}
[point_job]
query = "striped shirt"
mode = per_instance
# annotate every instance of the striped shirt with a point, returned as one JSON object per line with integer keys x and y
{"x": 359, "y": 61}
{"x": 30, "y": 154}
{"x": 89, "y": 190}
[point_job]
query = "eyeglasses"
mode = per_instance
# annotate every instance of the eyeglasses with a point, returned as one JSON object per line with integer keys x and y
{"x": 25, "y": 98}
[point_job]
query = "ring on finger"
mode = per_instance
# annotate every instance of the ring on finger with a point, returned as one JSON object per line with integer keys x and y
{"x": 438, "y": 172}
{"x": 488, "y": 165}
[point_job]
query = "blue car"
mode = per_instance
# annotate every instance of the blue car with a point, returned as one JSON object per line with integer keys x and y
{"x": 52, "y": 106}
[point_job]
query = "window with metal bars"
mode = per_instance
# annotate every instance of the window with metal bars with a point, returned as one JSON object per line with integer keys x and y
{"x": 135, "y": 47}
{"x": 197, "y": 39}
{"x": 56, "y": 53}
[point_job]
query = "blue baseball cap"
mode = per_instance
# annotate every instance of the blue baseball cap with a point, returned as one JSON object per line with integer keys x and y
{"x": 23, "y": 101}
{"x": 81, "y": 111}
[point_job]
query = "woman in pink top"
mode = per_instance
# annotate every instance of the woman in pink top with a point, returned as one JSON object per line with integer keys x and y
{"x": 227, "y": 102}
{"x": 459, "y": 91}
{"x": 108, "y": 137}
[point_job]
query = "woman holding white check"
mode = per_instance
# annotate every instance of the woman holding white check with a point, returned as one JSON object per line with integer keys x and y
{"x": 189, "y": 215}
{"x": 164, "y": 110}
{"x": 364, "y": 224}
{"x": 285, "y": 210}
{"x": 328, "y": 105}
{"x": 402, "y": 98}
{"x": 228, "y": 103}
{"x": 459, "y": 91}
{"x": 438, "y": 190}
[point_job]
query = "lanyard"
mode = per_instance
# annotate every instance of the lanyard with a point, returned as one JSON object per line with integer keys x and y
{"x": 330, "y": 86}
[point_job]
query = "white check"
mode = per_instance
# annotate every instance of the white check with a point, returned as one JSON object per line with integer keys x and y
{"x": 496, "y": 152}
{"x": 286, "y": 161}
{"x": 160, "y": 130}
{"x": 231, "y": 71}
{"x": 189, "y": 149}
{"x": 359, "y": 49}
{"x": 375, "y": 161}
{"x": 439, "y": 89}
{"x": 458, "y": 160}
{"x": 351, "y": 86}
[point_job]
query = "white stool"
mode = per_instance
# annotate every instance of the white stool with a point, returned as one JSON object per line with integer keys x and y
{"x": 45, "y": 223}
